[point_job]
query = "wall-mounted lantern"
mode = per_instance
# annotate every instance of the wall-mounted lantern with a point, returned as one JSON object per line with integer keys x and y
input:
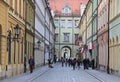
{"x": 38, "y": 45}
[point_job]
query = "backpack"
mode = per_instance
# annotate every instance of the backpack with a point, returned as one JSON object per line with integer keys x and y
{"x": 74, "y": 61}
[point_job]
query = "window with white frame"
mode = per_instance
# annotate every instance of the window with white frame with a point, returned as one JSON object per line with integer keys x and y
{"x": 56, "y": 23}
{"x": 66, "y": 37}
{"x": 69, "y": 24}
{"x": 62, "y": 23}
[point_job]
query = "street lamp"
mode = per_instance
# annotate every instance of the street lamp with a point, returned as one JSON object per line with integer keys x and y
{"x": 38, "y": 45}
{"x": 17, "y": 31}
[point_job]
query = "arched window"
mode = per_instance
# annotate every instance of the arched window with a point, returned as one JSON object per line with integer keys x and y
{"x": 0, "y": 42}
{"x": 66, "y": 9}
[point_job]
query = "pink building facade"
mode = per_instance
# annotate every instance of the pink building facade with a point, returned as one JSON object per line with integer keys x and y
{"x": 103, "y": 34}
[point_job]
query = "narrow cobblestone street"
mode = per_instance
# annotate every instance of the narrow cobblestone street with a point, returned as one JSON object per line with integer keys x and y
{"x": 63, "y": 74}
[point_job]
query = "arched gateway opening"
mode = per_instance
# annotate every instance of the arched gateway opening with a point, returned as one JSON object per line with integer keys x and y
{"x": 66, "y": 52}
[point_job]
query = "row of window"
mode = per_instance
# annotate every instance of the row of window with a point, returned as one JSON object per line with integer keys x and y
{"x": 64, "y": 24}
{"x": 66, "y": 37}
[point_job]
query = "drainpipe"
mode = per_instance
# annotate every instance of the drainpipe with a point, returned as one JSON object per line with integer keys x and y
{"x": 45, "y": 34}
{"x": 34, "y": 33}
{"x": 108, "y": 35}
{"x": 25, "y": 36}
{"x": 86, "y": 37}
{"x": 97, "y": 61}
{"x": 59, "y": 37}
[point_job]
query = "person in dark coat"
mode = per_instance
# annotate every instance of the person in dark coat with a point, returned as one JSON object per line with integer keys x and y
{"x": 93, "y": 61}
{"x": 62, "y": 60}
{"x": 85, "y": 63}
{"x": 31, "y": 64}
{"x": 50, "y": 63}
{"x": 74, "y": 63}
{"x": 78, "y": 63}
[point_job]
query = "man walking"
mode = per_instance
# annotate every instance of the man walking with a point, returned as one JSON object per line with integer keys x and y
{"x": 31, "y": 64}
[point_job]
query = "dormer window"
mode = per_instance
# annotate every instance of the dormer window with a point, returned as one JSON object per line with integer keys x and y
{"x": 66, "y": 9}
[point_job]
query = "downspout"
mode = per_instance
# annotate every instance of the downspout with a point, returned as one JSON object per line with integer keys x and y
{"x": 86, "y": 37}
{"x": 72, "y": 37}
{"x": 34, "y": 33}
{"x": 49, "y": 40}
{"x": 59, "y": 37}
{"x": 108, "y": 35}
{"x": 25, "y": 36}
{"x": 97, "y": 61}
{"x": 92, "y": 56}
{"x": 44, "y": 35}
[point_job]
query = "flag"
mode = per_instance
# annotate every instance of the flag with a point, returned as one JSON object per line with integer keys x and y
{"x": 82, "y": 51}
{"x": 92, "y": 46}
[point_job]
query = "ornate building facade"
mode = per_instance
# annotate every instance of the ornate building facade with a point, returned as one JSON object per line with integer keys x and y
{"x": 29, "y": 31}
{"x": 66, "y": 19}
{"x": 11, "y": 37}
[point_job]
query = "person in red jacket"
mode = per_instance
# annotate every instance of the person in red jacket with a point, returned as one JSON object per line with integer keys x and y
{"x": 74, "y": 63}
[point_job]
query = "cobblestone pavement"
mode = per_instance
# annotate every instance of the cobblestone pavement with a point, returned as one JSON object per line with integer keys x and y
{"x": 63, "y": 74}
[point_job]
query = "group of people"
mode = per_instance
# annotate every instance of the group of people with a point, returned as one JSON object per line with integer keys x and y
{"x": 66, "y": 62}
{"x": 71, "y": 62}
{"x": 76, "y": 63}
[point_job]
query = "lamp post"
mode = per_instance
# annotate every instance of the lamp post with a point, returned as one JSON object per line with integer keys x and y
{"x": 17, "y": 31}
{"x": 38, "y": 44}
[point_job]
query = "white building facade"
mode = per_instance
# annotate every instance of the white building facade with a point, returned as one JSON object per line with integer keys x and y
{"x": 44, "y": 33}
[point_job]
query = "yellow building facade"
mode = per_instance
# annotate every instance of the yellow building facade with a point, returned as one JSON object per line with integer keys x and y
{"x": 114, "y": 37}
{"x": 29, "y": 28}
{"x": 11, "y": 44}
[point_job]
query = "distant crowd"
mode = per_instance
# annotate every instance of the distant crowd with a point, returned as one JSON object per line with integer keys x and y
{"x": 76, "y": 63}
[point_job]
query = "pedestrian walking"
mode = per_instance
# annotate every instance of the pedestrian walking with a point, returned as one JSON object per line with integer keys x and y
{"x": 87, "y": 63}
{"x": 66, "y": 61}
{"x": 50, "y": 63}
{"x": 74, "y": 63}
{"x": 78, "y": 63}
{"x": 84, "y": 64}
{"x": 62, "y": 60}
{"x": 92, "y": 62}
{"x": 69, "y": 62}
{"x": 31, "y": 64}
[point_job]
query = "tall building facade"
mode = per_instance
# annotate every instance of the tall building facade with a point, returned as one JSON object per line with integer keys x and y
{"x": 114, "y": 37}
{"x": 44, "y": 33}
{"x": 29, "y": 31}
{"x": 11, "y": 37}
{"x": 103, "y": 34}
{"x": 66, "y": 20}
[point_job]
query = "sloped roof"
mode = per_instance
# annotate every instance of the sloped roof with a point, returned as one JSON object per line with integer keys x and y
{"x": 57, "y": 5}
